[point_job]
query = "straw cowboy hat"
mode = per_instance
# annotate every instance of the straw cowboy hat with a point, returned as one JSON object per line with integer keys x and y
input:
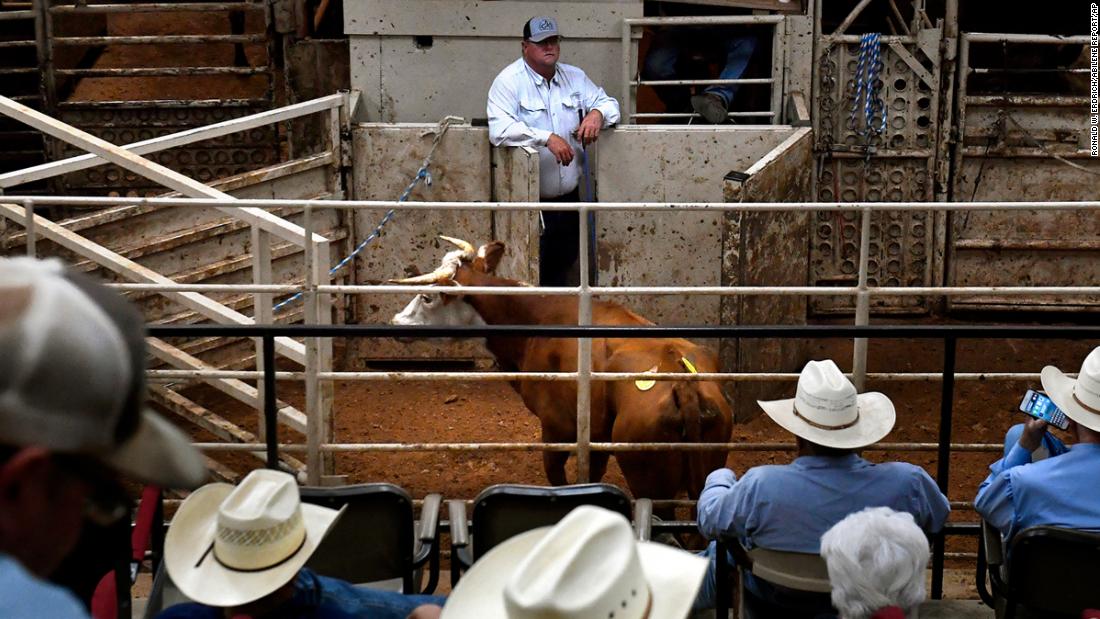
{"x": 826, "y": 409}
{"x": 1078, "y": 398}
{"x": 588, "y": 565}
{"x": 230, "y": 546}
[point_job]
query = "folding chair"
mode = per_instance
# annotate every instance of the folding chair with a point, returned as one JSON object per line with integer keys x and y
{"x": 377, "y": 542}
{"x": 801, "y": 577}
{"x": 502, "y": 511}
{"x": 1051, "y": 573}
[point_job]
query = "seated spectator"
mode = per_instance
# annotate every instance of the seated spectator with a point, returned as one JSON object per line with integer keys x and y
{"x": 587, "y": 565}
{"x": 1041, "y": 481}
{"x": 876, "y": 560}
{"x": 788, "y": 507}
{"x": 671, "y": 47}
{"x": 72, "y": 423}
{"x": 241, "y": 551}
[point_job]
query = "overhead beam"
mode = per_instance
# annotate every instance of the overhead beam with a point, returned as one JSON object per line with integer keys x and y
{"x": 164, "y": 142}
{"x": 138, "y": 273}
{"x": 151, "y": 170}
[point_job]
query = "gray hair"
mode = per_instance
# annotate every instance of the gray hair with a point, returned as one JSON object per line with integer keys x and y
{"x": 876, "y": 558}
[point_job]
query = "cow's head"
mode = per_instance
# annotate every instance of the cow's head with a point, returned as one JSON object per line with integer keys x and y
{"x": 445, "y": 304}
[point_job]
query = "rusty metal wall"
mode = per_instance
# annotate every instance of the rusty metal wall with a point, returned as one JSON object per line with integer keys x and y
{"x": 1023, "y": 146}
{"x": 900, "y": 169}
{"x": 767, "y": 249}
{"x": 419, "y": 60}
{"x": 653, "y": 163}
{"x": 126, "y": 76}
{"x": 386, "y": 158}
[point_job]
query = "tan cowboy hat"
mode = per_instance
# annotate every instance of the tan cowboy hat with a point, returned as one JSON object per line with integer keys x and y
{"x": 826, "y": 409}
{"x": 230, "y": 546}
{"x": 588, "y": 565}
{"x": 1078, "y": 398}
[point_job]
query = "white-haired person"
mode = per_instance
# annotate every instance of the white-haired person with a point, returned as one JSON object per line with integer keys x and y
{"x": 241, "y": 552}
{"x": 876, "y": 559}
{"x": 1041, "y": 481}
{"x": 788, "y": 507}
{"x": 73, "y": 426}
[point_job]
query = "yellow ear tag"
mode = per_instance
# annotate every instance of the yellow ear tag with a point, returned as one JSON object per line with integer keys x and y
{"x": 688, "y": 365}
{"x": 646, "y": 385}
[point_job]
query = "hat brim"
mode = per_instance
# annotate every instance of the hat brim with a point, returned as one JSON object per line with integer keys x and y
{"x": 159, "y": 453}
{"x": 539, "y": 38}
{"x": 674, "y": 577}
{"x": 876, "y": 418}
{"x": 204, "y": 579}
{"x": 1059, "y": 388}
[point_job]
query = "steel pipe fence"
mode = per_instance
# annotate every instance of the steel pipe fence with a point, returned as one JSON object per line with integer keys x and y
{"x": 583, "y": 446}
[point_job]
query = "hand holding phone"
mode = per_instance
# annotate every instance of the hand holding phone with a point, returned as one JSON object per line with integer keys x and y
{"x": 1039, "y": 406}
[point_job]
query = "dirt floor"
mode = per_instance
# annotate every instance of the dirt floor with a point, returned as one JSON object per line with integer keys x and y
{"x": 466, "y": 411}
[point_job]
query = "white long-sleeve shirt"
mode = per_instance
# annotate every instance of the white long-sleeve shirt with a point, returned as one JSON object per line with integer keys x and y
{"x": 524, "y": 109}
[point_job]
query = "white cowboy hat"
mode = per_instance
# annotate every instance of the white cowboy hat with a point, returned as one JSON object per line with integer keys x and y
{"x": 230, "y": 546}
{"x": 826, "y": 409}
{"x": 588, "y": 565}
{"x": 1078, "y": 398}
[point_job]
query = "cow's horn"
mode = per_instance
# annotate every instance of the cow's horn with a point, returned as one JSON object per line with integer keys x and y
{"x": 439, "y": 275}
{"x": 463, "y": 245}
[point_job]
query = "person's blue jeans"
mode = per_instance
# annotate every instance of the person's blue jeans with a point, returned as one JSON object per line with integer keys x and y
{"x": 662, "y": 63}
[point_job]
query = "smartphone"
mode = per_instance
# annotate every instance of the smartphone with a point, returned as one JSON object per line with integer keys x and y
{"x": 1039, "y": 406}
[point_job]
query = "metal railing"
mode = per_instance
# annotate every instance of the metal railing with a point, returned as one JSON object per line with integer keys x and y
{"x": 944, "y": 447}
{"x": 631, "y": 66}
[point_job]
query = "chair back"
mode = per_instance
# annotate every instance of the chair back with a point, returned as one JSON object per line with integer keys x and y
{"x": 794, "y": 570}
{"x": 373, "y": 541}
{"x": 505, "y": 510}
{"x": 1053, "y": 570}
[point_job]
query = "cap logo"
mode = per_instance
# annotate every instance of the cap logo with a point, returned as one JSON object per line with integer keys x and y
{"x": 545, "y": 25}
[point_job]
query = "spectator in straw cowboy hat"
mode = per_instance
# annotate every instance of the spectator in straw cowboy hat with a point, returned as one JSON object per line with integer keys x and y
{"x": 241, "y": 551}
{"x": 788, "y": 507}
{"x": 1041, "y": 481}
{"x": 876, "y": 560}
{"x": 588, "y": 565}
{"x": 72, "y": 422}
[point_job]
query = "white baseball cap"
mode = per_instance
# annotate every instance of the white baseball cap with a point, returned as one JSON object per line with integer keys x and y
{"x": 72, "y": 376}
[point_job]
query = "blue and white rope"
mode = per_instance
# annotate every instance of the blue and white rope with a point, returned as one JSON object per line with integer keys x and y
{"x": 423, "y": 174}
{"x": 868, "y": 69}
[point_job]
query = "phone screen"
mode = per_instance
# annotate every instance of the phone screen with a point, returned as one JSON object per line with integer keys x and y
{"x": 1040, "y": 406}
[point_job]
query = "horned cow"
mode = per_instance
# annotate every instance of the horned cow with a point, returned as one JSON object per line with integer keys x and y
{"x": 621, "y": 411}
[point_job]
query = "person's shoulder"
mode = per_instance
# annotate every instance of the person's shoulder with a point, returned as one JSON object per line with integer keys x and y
{"x": 769, "y": 472}
{"x": 900, "y": 469}
{"x": 571, "y": 70}
{"x": 23, "y": 595}
{"x": 511, "y": 70}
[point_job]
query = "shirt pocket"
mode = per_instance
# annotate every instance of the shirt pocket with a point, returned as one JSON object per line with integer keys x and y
{"x": 532, "y": 110}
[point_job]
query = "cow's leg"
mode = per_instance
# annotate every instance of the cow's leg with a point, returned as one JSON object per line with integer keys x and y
{"x": 554, "y": 463}
{"x": 598, "y": 465}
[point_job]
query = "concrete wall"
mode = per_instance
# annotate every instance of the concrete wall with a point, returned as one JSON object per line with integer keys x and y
{"x": 404, "y": 80}
{"x": 387, "y": 158}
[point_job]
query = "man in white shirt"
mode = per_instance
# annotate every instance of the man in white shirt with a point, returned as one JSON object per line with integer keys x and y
{"x": 537, "y": 101}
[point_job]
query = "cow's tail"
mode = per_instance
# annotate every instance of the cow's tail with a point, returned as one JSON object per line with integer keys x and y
{"x": 686, "y": 395}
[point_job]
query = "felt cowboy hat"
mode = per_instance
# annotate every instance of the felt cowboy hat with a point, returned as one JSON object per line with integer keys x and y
{"x": 230, "y": 546}
{"x": 1078, "y": 398}
{"x": 588, "y": 565}
{"x": 826, "y": 409}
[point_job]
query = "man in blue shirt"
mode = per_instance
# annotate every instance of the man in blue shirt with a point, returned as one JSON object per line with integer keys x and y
{"x": 1040, "y": 481}
{"x": 789, "y": 507}
{"x": 72, "y": 422}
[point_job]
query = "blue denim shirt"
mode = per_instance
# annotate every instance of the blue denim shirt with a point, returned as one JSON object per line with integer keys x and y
{"x": 789, "y": 507}
{"x": 1057, "y": 491}
{"x": 321, "y": 597}
{"x": 22, "y": 595}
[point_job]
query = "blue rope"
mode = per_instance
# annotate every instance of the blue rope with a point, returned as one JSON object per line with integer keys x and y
{"x": 421, "y": 175}
{"x": 868, "y": 69}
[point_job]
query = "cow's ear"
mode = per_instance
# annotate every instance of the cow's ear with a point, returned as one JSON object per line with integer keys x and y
{"x": 488, "y": 257}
